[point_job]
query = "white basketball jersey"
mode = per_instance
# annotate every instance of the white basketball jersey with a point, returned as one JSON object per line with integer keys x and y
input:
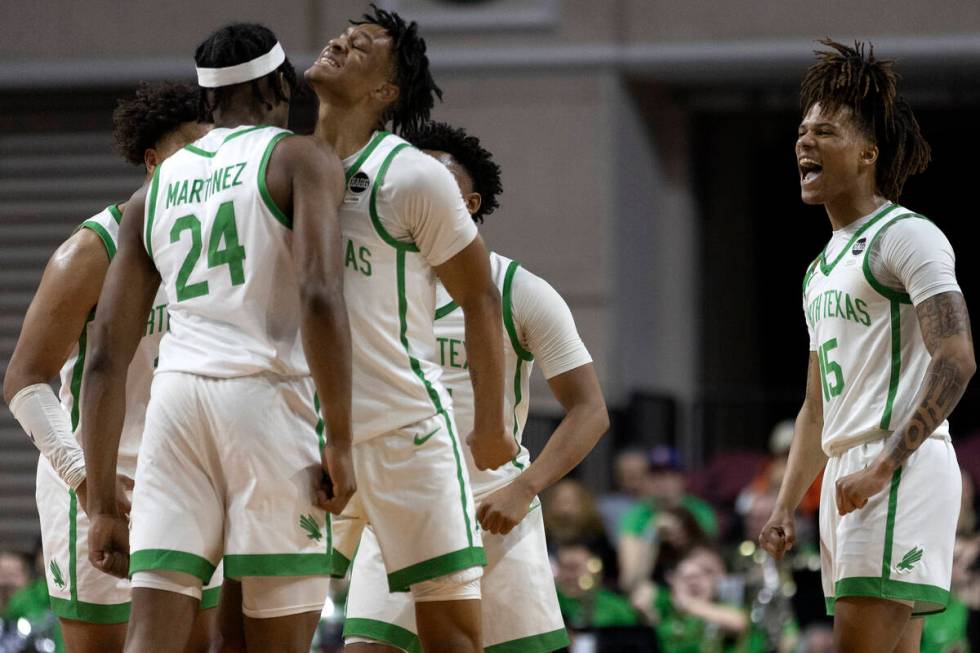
{"x": 450, "y": 332}
{"x": 389, "y": 288}
{"x": 867, "y": 338}
{"x": 223, "y": 250}
{"x": 140, "y": 373}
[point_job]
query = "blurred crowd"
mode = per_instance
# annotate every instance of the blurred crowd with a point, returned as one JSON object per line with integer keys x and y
{"x": 667, "y": 562}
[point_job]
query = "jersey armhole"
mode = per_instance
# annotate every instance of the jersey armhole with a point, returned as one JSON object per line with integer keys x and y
{"x": 270, "y": 204}
{"x": 883, "y": 290}
{"x": 100, "y": 231}
{"x": 151, "y": 207}
{"x": 508, "y": 306}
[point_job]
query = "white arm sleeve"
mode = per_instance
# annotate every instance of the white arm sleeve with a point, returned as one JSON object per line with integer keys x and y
{"x": 545, "y": 325}
{"x": 41, "y": 416}
{"x": 426, "y": 206}
{"x": 914, "y": 255}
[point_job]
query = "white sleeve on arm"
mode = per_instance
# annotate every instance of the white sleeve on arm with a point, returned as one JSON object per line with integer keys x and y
{"x": 426, "y": 203}
{"x": 914, "y": 255}
{"x": 41, "y": 416}
{"x": 545, "y": 325}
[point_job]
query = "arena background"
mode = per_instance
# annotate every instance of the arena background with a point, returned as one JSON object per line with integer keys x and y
{"x": 648, "y": 167}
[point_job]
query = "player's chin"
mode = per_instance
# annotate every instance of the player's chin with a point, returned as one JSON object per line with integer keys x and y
{"x": 811, "y": 197}
{"x": 317, "y": 74}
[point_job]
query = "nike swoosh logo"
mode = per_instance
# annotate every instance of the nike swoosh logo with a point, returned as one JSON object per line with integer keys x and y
{"x": 421, "y": 440}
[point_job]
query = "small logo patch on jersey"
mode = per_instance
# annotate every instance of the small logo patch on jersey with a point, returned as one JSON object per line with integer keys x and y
{"x": 56, "y": 576}
{"x": 359, "y": 183}
{"x": 308, "y": 524}
{"x": 859, "y": 246}
{"x": 909, "y": 560}
{"x": 420, "y": 440}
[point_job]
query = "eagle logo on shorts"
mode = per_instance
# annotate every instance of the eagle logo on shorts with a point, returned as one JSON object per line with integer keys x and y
{"x": 308, "y": 524}
{"x": 56, "y": 576}
{"x": 909, "y": 560}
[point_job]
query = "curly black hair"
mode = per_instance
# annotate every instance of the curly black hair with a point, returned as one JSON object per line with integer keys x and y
{"x": 417, "y": 90}
{"x": 141, "y": 121}
{"x": 845, "y": 76}
{"x": 236, "y": 44}
{"x": 470, "y": 154}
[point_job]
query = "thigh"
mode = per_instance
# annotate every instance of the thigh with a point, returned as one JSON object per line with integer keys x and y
{"x": 869, "y": 625}
{"x": 373, "y": 613}
{"x": 520, "y": 603}
{"x": 270, "y": 459}
{"x": 416, "y": 494}
{"x": 288, "y": 634}
{"x": 178, "y": 515}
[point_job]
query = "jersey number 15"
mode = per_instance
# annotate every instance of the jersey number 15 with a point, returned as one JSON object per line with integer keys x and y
{"x": 830, "y": 368}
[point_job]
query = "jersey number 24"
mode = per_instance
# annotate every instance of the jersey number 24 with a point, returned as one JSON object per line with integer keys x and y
{"x": 232, "y": 255}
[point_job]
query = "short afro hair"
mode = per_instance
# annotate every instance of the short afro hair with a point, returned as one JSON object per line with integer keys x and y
{"x": 141, "y": 121}
{"x": 470, "y": 154}
{"x": 417, "y": 90}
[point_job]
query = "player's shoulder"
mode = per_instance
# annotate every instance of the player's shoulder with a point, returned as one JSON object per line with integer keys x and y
{"x": 910, "y": 227}
{"x": 523, "y": 286}
{"x": 412, "y": 168}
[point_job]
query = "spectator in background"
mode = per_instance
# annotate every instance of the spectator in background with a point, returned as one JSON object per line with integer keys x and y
{"x": 638, "y": 529}
{"x": 570, "y": 515}
{"x": 689, "y": 615}
{"x": 15, "y": 574}
{"x": 632, "y": 478}
{"x": 585, "y": 603}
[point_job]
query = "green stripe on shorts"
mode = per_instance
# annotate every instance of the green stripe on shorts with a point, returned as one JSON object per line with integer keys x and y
{"x": 543, "y": 643}
{"x": 383, "y": 632}
{"x": 403, "y": 579}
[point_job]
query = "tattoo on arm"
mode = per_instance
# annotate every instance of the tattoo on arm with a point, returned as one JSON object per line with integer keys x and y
{"x": 941, "y": 317}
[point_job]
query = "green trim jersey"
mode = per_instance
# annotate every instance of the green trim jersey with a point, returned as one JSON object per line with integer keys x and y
{"x": 536, "y": 319}
{"x": 105, "y": 225}
{"x": 402, "y": 215}
{"x": 859, "y": 297}
{"x": 223, "y": 250}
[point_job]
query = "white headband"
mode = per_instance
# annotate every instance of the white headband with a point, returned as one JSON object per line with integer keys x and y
{"x": 243, "y": 72}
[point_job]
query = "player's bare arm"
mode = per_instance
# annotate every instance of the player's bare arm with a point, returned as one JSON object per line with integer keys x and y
{"x": 466, "y": 277}
{"x": 945, "y": 324}
{"x": 306, "y": 179}
{"x": 806, "y": 459}
{"x": 127, "y": 295}
{"x": 586, "y": 419}
{"x": 66, "y": 296}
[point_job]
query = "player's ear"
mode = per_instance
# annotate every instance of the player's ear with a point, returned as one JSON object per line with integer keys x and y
{"x": 869, "y": 155}
{"x": 150, "y": 160}
{"x": 387, "y": 93}
{"x": 473, "y": 202}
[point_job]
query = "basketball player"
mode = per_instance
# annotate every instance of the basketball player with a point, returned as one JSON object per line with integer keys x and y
{"x": 93, "y": 608}
{"x": 240, "y": 227}
{"x": 405, "y": 224}
{"x": 519, "y": 604}
{"x": 890, "y": 356}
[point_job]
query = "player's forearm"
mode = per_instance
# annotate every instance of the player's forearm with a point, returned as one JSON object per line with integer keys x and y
{"x": 326, "y": 342}
{"x": 949, "y": 371}
{"x": 574, "y": 438}
{"x": 730, "y": 620}
{"x": 806, "y": 459}
{"x": 485, "y": 358}
{"x": 103, "y": 406}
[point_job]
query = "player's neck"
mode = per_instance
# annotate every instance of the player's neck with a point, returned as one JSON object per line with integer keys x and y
{"x": 847, "y": 210}
{"x": 234, "y": 116}
{"x": 346, "y": 130}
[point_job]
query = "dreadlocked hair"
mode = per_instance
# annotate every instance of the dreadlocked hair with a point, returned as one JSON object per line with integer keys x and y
{"x": 141, "y": 121}
{"x": 236, "y": 44}
{"x": 467, "y": 150}
{"x": 847, "y": 77}
{"x": 417, "y": 90}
